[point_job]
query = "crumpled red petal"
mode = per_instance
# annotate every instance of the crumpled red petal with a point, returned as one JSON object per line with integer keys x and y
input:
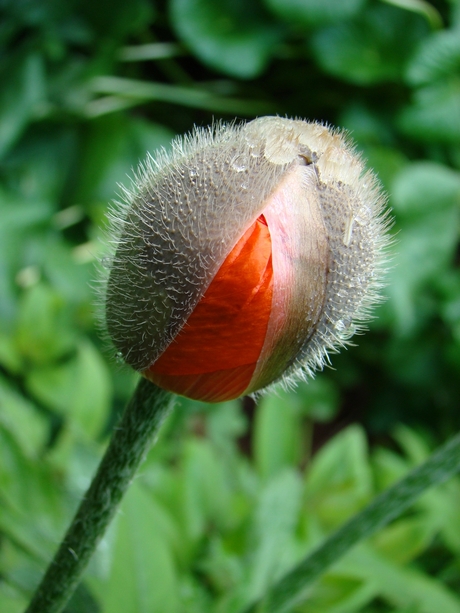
{"x": 214, "y": 356}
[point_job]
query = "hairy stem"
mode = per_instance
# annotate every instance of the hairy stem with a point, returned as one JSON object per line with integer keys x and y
{"x": 130, "y": 442}
{"x": 291, "y": 589}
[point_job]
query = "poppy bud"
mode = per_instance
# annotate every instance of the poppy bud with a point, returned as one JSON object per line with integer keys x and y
{"x": 243, "y": 257}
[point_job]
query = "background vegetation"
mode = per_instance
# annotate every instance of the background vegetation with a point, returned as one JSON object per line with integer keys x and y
{"x": 234, "y": 494}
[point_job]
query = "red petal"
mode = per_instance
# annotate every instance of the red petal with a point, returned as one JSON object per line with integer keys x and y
{"x": 214, "y": 356}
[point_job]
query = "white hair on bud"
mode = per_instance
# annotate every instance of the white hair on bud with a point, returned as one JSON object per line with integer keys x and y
{"x": 188, "y": 208}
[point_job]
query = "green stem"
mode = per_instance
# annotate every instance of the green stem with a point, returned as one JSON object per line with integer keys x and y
{"x": 130, "y": 442}
{"x": 291, "y": 589}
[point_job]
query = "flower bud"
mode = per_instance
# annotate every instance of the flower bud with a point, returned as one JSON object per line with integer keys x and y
{"x": 243, "y": 257}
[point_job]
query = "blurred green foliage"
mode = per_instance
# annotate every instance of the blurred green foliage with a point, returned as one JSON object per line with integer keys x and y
{"x": 232, "y": 496}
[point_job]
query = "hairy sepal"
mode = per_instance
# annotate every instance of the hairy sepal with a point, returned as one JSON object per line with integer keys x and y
{"x": 189, "y": 208}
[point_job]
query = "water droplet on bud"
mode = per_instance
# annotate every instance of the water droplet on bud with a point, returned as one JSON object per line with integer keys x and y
{"x": 238, "y": 164}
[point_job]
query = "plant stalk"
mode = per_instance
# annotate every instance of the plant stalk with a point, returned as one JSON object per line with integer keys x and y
{"x": 131, "y": 439}
{"x": 291, "y": 589}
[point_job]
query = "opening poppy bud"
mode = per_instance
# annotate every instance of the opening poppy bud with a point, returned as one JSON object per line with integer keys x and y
{"x": 243, "y": 257}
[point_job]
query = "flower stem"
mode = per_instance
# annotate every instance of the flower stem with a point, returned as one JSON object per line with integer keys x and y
{"x": 291, "y": 589}
{"x": 128, "y": 446}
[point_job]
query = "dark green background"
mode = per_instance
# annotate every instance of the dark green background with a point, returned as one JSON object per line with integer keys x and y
{"x": 234, "y": 494}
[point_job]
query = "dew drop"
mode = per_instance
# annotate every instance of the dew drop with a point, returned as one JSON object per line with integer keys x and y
{"x": 254, "y": 149}
{"x": 363, "y": 216}
{"x": 238, "y": 164}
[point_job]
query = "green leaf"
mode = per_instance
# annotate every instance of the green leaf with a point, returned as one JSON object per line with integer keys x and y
{"x": 425, "y": 249}
{"x": 339, "y": 481}
{"x": 142, "y": 577}
{"x": 341, "y": 593}
{"x": 91, "y": 395}
{"x": 23, "y": 421}
{"x": 32, "y": 508}
{"x": 455, "y": 14}
{"x": 400, "y": 586}
{"x": 233, "y": 36}
{"x": 195, "y": 97}
{"x": 204, "y": 495}
{"x": 9, "y": 355}
{"x": 11, "y": 600}
{"x": 225, "y": 423}
{"x": 40, "y": 164}
{"x": 422, "y": 7}
{"x": 371, "y": 49}
{"x": 425, "y": 188}
{"x": 19, "y": 216}
{"x": 367, "y": 126}
{"x": 313, "y": 13}
{"x": 386, "y": 162}
{"x": 405, "y": 539}
{"x": 426, "y": 196}
{"x": 114, "y": 19}
{"x": 82, "y": 600}
{"x": 272, "y": 536}
{"x": 22, "y": 221}
{"x": 317, "y": 399}
{"x": 24, "y": 546}
{"x": 70, "y": 272}
{"x": 437, "y": 57}
{"x": 21, "y": 97}
{"x": 449, "y": 518}
{"x": 113, "y": 145}
{"x": 149, "y": 51}
{"x": 292, "y": 588}
{"x": 434, "y": 115}
{"x": 277, "y": 433}
{"x": 79, "y": 389}
{"x": 43, "y": 332}
{"x": 415, "y": 447}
